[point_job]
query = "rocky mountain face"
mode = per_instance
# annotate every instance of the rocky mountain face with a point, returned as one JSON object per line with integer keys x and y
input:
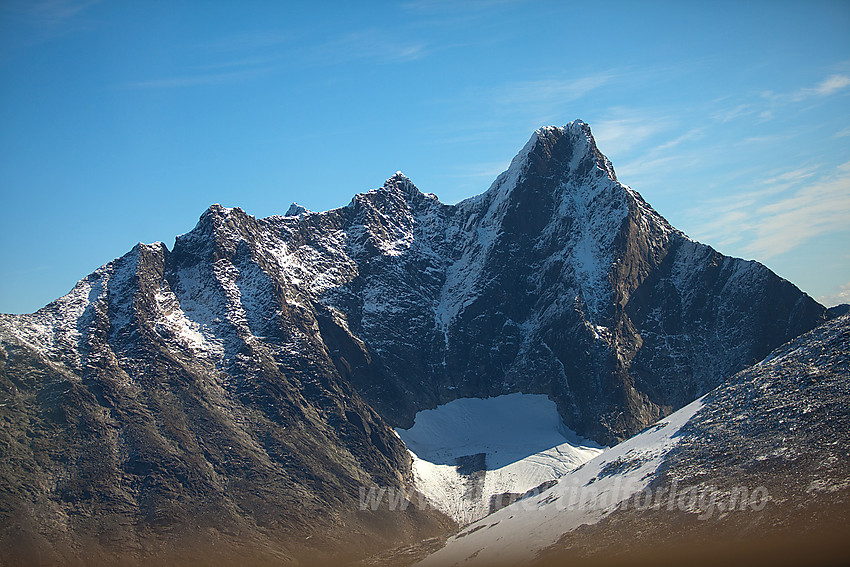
{"x": 129, "y": 437}
{"x": 558, "y": 280}
{"x": 239, "y": 388}
{"x": 781, "y": 427}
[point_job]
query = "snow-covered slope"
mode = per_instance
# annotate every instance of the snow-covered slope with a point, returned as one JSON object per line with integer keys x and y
{"x": 470, "y": 450}
{"x": 516, "y": 533}
{"x": 765, "y": 453}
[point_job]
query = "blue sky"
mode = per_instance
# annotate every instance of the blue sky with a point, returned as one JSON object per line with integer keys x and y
{"x": 123, "y": 121}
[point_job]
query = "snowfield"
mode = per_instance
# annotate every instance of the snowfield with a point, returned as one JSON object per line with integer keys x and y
{"x": 517, "y": 533}
{"x": 471, "y": 449}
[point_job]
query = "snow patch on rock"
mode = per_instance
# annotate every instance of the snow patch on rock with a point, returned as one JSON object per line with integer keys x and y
{"x": 515, "y": 534}
{"x": 472, "y": 449}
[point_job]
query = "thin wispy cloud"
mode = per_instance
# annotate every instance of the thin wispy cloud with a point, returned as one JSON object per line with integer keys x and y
{"x": 514, "y": 109}
{"x": 815, "y": 210}
{"x": 621, "y": 134}
{"x": 46, "y": 20}
{"x": 766, "y": 139}
{"x": 747, "y": 110}
{"x": 550, "y": 91}
{"x": 827, "y": 87}
{"x": 431, "y": 6}
{"x": 50, "y": 13}
{"x": 640, "y": 173}
{"x": 253, "y": 41}
{"x": 527, "y": 105}
{"x": 788, "y": 211}
{"x": 257, "y": 62}
{"x": 251, "y": 56}
{"x": 372, "y": 45}
{"x": 246, "y": 68}
{"x": 766, "y": 106}
{"x": 843, "y": 133}
{"x": 690, "y": 135}
{"x": 202, "y": 79}
{"x": 841, "y": 294}
{"x": 793, "y": 176}
{"x": 489, "y": 170}
{"x": 746, "y": 201}
{"x": 738, "y": 111}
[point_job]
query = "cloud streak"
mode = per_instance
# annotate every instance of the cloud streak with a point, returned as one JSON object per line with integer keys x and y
{"x": 247, "y": 57}
{"x": 839, "y": 295}
{"x": 769, "y": 102}
{"x": 51, "y": 13}
{"x": 803, "y": 206}
{"x": 369, "y": 45}
{"x": 531, "y": 104}
{"x": 201, "y": 79}
{"x": 442, "y": 6}
{"x": 46, "y": 20}
{"x": 550, "y": 91}
{"x": 631, "y": 129}
{"x": 827, "y": 87}
{"x": 830, "y": 86}
{"x": 816, "y": 209}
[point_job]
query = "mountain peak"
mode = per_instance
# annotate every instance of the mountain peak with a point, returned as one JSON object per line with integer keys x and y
{"x": 295, "y": 209}
{"x": 402, "y": 183}
{"x": 572, "y": 147}
{"x": 218, "y": 209}
{"x": 556, "y": 155}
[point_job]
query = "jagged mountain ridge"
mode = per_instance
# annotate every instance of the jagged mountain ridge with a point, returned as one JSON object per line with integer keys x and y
{"x": 460, "y": 265}
{"x": 283, "y": 349}
{"x": 557, "y": 280}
